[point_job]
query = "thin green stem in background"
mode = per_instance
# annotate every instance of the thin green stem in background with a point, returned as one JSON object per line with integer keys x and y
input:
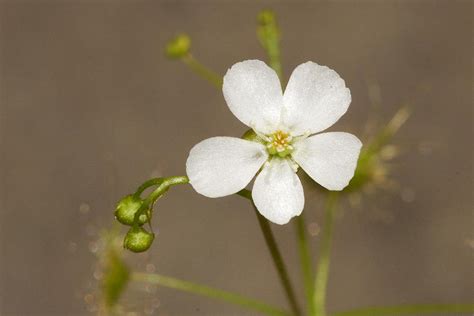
{"x": 207, "y": 291}
{"x": 268, "y": 34}
{"x": 202, "y": 70}
{"x": 276, "y": 255}
{"x": 305, "y": 261}
{"x": 322, "y": 268}
{"x": 448, "y": 309}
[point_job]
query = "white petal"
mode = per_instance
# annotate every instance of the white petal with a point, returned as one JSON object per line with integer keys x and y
{"x": 329, "y": 158}
{"x": 315, "y": 98}
{"x": 278, "y": 193}
{"x": 221, "y": 166}
{"x": 253, "y": 93}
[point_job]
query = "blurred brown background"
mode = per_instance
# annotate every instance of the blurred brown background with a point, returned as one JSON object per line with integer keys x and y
{"x": 90, "y": 108}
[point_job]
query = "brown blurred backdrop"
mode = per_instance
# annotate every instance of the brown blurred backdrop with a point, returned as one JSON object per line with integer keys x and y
{"x": 90, "y": 108}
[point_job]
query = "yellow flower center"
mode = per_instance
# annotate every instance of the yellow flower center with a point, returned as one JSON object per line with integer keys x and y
{"x": 279, "y": 143}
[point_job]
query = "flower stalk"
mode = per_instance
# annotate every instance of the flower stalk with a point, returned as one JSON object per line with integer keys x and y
{"x": 268, "y": 34}
{"x": 305, "y": 261}
{"x": 163, "y": 185}
{"x": 179, "y": 48}
{"x": 147, "y": 184}
{"x": 276, "y": 255}
{"x": 322, "y": 268}
{"x": 278, "y": 260}
{"x": 202, "y": 70}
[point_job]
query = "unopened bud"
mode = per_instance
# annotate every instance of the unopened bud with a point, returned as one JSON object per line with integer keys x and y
{"x": 126, "y": 209}
{"x": 266, "y": 17}
{"x": 178, "y": 47}
{"x": 138, "y": 239}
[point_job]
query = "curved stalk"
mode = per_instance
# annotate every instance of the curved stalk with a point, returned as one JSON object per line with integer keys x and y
{"x": 146, "y": 185}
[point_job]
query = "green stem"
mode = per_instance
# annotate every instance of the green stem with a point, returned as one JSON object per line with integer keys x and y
{"x": 202, "y": 70}
{"x": 389, "y": 130}
{"x": 166, "y": 183}
{"x": 322, "y": 269}
{"x": 274, "y": 58}
{"x": 147, "y": 184}
{"x": 276, "y": 255}
{"x": 163, "y": 185}
{"x": 198, "y": 289}
{"x": 409, "y": 310}
{"x": 269, "y": 36}
{"x": 305, "y": 260}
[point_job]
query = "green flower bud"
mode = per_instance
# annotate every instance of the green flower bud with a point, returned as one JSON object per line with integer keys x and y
{"x": 126, "y": 209}
{"x": 364, "y": 171}
{"x": 178, "y": 47}
{"x": 372, "y": 166}
{"x": 138, "y": 239}
{"x": 266, "y": 17}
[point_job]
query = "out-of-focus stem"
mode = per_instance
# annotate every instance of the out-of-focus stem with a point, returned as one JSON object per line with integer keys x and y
{"x": 409, "y": 310}
{"x": 269, "y": 36}
{"x": 322, "y": 268}
{"x": 207, "y": 291}
{"x": 305, "y": 261}
{"x": 202, "y": 70}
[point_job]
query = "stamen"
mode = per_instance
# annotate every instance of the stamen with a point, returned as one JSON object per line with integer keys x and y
{"x": 279, "y": 144}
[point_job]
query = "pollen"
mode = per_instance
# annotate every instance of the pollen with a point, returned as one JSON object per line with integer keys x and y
{"x": 279, "y": 143}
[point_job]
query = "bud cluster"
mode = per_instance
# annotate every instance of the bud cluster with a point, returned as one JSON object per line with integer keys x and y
{"x": 135, "y": 212}
{"x": 132, "y": 211}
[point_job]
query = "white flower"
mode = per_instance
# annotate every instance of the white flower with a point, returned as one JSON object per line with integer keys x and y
{"x": 314, "y": 99}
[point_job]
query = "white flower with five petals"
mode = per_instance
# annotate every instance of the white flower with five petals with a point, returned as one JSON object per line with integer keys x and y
{"x": 286, "y": 125}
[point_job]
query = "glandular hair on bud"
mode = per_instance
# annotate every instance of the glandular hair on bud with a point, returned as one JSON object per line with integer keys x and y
{"x": 178, "y": 47}
{"x": 138, "y": 239}
{"x": 127, "y": 208}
